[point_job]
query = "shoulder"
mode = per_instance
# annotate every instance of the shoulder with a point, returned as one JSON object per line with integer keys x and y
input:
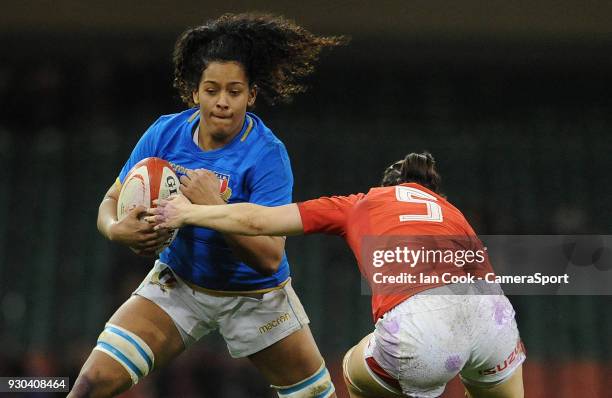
{"x": 379, "y": 194}
{"x": 333, "y": 202}
{"x": 176, "y": 119}
{"x": 268, "y": 146}
{"x": 264, "y": 135}
{"x": 166, "y": 127}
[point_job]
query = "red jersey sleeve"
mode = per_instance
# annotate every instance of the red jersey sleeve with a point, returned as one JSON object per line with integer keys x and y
{"x": 327, "y": 214}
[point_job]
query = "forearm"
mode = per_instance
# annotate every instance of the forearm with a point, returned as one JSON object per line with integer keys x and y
{"x": 107, "y": 215}
{"x": 239, "y": 218}
{"x": 263, "y": 253}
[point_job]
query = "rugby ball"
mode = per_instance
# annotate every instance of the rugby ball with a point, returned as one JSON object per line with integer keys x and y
{"x": 149, "y": 179}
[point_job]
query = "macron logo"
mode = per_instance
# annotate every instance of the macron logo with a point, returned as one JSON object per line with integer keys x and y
{"x": 271, "y": 325}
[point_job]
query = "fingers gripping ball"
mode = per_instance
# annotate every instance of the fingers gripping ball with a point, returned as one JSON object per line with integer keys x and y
{"x": 149, "y": 180}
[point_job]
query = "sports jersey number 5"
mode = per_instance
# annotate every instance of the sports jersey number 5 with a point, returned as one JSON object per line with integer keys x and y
{"x": 413, "y": 195}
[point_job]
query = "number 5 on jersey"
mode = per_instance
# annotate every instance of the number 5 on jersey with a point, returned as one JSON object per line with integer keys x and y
{"x": 413, "y": 195}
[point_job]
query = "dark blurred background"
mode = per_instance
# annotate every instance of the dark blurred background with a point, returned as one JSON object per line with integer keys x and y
{"x": 514, "y": 99}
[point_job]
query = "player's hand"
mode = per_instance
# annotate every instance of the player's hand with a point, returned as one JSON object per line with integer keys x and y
{"x": 201, "y": 187}
{"x": 138, "y": 234}
{"x": 170, "y": 213}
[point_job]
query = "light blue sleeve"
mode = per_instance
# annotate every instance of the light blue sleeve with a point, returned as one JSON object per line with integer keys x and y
{"x": 146, "y": 147}
{"x": 271, "y": 183}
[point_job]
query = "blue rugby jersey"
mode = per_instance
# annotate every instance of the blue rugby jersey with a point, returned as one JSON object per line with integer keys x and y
{"x": 254, "y": 167}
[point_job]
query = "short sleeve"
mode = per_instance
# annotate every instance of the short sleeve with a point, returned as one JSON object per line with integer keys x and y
{"x": 144, "y": 148}
{"x": 271, "y": 182}
{"x": 327, "y": 214}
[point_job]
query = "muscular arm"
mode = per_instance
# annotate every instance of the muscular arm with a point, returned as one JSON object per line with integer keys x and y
{"x": 130, "y": 231}
{"x": 263, "y": 253}
{"x": 247, "y": 219}
{"x": 235, "y": 220}
{"x": 107, "y": 212}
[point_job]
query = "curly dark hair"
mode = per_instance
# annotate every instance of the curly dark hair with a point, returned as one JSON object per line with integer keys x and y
{"x": 276, "y": 53}
{"x": 415, "y": 167}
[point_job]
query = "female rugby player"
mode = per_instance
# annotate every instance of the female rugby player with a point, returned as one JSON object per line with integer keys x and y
{"x": 207, "y": 280}
{"x": 426, "y": 332}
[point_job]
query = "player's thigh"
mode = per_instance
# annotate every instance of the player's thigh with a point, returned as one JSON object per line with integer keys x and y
{"x": 359, "y": 379}
{"x": 509, "y": 388}
{"x": 289, "y": 360}
{"x": 152, "y": 324}
{"x": 144, "y": 319}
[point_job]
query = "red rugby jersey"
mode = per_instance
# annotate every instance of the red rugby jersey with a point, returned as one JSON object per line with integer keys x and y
{"x": 407, "y": 210}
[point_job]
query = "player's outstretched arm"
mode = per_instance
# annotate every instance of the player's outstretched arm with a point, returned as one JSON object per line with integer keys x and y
{"x": 262, "y": 253}
{"x": 238, "y": 218}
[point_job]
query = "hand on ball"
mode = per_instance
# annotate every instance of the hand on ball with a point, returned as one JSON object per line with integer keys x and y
{"x": 169, "y": 213}
{"x": 140, "y": 236}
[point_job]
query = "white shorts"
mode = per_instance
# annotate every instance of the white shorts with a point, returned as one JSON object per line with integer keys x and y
{"x": 248, "y": 323}
{"x": 426, "y": 340}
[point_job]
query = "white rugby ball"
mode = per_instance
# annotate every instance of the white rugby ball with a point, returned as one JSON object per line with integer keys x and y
{"x": 149, "y": 179}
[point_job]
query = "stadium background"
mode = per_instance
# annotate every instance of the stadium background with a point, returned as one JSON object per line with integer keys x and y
{"x": 513, "y": 99}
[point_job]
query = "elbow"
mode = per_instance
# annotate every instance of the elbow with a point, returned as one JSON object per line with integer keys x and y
{"x": 100, "y": 225}
{"x": 103, "y": 226}
{"x": 270, "y": 265}
{"x": 100, "y": 228}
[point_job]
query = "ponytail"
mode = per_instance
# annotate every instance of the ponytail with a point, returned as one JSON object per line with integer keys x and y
{"x": 416, "y": 167}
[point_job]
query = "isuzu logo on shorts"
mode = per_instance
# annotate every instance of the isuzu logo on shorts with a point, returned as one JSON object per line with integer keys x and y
{"x": 516, "y": 353}
{"x": 271, "y": 325}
